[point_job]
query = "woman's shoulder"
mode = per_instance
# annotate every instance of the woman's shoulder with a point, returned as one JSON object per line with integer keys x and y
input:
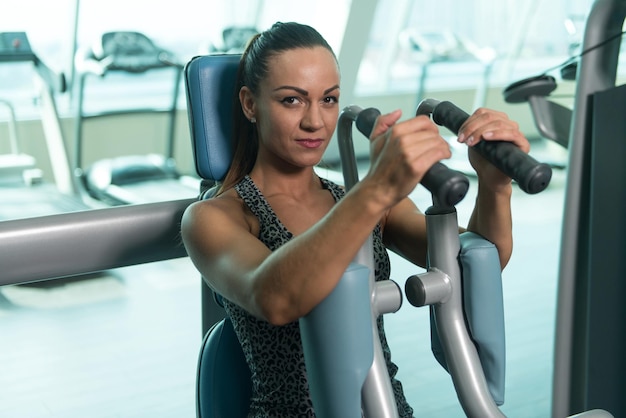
{"x": 227, "y": 207}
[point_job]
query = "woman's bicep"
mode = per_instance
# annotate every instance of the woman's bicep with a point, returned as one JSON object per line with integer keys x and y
{"x": 224, "y": 251}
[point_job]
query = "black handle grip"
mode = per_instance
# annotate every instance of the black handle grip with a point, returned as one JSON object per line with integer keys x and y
{"x": 447, "y": 186}
{"x": 366, "y": 119}
{"x": 531, "y": 175}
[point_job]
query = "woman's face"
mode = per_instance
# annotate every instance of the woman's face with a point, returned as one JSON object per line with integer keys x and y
{"x": 297, "y": 106}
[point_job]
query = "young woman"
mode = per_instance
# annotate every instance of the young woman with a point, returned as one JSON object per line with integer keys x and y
{"x": 276, "y": 239}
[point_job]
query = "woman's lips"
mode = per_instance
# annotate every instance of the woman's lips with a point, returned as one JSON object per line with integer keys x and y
{"x": 310, "y": 142}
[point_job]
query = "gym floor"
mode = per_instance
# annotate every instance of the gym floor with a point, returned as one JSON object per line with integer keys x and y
{"x": 124, "y": 343}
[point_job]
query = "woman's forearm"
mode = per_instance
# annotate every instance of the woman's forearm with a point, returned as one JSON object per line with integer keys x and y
{"x": 491, "y": 219}
{"x": 300, "y": 274}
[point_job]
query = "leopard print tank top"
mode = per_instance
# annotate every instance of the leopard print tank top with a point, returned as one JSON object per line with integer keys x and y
{"x": 274, "y": 353}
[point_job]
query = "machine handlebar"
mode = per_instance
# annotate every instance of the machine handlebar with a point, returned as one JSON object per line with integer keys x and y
{"x": 531, "y": 175}
{"x": 447, "y": 186}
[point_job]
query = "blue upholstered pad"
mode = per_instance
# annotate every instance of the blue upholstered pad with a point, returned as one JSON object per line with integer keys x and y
{"x": 338, "y": 345}
{"x": 210, "y": 82}
{"x": 224, "y": 382}
{"x": 484, "y": 310}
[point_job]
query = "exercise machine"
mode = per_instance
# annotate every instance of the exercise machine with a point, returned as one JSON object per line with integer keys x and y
{"x": 432, "y": 48}
{"x": 234, "y": 40}
{"x": 474, "y": 356}
{"x": 435, "y": 48}
{"x": 129, "y": 179}
{"x": 551, "y": 118}
{"x": 333, "y": 340}
{"x": 24, "y": 192}
{"x": 210, "y": 82}
{"x": 589, "y": 370}
{"x": 16, "y": 166}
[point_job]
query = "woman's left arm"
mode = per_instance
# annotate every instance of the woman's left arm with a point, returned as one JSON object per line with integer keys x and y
{"x": 404, "y": 226}
{"x": 491, "y": 217}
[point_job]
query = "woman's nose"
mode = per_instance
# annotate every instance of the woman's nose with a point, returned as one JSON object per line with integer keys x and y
{"x": 312, "y": 119}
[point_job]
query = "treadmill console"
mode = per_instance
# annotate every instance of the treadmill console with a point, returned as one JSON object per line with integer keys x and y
{"x": 14, "y": 46}
{"x": 131, "y": 52}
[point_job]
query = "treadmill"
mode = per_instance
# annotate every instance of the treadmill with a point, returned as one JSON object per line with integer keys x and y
{"x": 24, "y": 192}
{"x": 128, "y": 179}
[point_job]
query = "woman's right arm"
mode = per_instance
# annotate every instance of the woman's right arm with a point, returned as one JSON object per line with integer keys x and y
{"x": 283, "y": 285}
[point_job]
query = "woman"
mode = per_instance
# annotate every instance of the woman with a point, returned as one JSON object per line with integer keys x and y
{"x": 276, "y": 239}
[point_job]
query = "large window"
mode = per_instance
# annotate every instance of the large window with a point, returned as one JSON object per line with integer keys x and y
{"x": 186, "y": 28}
{"x": 460, "y": 43}
{"x": 73, "y": 345}
{"x": 61, "y": 33}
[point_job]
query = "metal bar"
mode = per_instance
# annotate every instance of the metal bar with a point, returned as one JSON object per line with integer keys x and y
{"x": 346, "y": 145}
{"x": 77, "y": 243}
{"x": 377, "y": 394}
{"x": 461, "y": 355}
{"x": 14, "y": 144}
{"x": 596, "y": 72}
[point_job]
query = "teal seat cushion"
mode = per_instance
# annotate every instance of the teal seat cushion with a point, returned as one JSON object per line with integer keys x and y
{"x": 483, "y": 306}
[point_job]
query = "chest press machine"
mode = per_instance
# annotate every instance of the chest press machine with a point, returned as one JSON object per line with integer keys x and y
{"x": 347, "y": 374}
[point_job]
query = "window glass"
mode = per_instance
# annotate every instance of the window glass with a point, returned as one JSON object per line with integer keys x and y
{"x": 63, "y": 33}
{"x": 184, "y": 27}
{"x": 448, "y": 44}
{"x": 458, "y": 43}
{"x": 49, "y": 29}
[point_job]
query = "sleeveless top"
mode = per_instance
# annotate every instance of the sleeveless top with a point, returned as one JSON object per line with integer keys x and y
{"x": 274, "y": 353}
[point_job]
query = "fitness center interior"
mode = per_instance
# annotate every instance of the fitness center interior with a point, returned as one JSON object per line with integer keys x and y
{"x": 102, "y": 314}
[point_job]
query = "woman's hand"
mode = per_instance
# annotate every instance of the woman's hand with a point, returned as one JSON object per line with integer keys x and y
{"x": 490, "y": 125}
{"x": 402, "y": 152}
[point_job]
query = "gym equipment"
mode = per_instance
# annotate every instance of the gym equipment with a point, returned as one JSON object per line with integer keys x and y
{"x": 376, "y": 396}
{"x": 16, "y": 166}
{"x": 24, "y": 192}
{"x": 589, "y": 367}
{"x": 234, "y": 40}
{"x": 480, "y": 301}
{"x": 552, "y": 119}
{"x": 589, "y": 370}
{"x": 130, "y": 178}
{"x": 432, "y": 48}
{"x": 440, "y": 47}
{"x": 209, "y": 81}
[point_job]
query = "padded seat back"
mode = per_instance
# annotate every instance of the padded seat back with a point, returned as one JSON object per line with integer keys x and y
{"x": 210, "y": 81}
{"x": 223, "y": 385}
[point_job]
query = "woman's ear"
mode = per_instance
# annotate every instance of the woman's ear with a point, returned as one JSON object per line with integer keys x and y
{"x": 248, "y": 105}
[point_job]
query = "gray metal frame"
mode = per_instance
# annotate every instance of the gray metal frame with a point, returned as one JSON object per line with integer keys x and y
{"x": 463, "y": 361}
{"x": 70, "y": 244}
{"x": 443, "y": 288}
{"x": 596, "y": 72}
{"x": 377, "y": 396}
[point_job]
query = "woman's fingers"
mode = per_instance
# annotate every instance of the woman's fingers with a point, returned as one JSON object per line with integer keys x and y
{"x": 491, "y": 125}
{"x": 384, "y": 122}
{"x": 404, "y": 153}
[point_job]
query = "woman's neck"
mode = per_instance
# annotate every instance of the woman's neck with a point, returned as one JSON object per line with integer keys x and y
{"x": 296, "y": 182}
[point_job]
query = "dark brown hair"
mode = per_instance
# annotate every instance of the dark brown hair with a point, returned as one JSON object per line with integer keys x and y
{"x": 253, "y": 69}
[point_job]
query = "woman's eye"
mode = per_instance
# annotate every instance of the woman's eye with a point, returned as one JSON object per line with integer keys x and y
{"x": 290, "y": 100}
{"x": 331, "y": 100}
